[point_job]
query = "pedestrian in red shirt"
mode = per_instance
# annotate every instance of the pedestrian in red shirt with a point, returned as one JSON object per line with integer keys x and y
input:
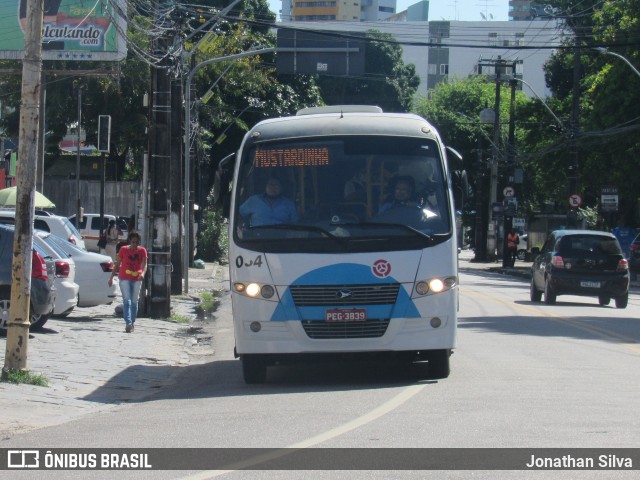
{"x": 131, "y": 265}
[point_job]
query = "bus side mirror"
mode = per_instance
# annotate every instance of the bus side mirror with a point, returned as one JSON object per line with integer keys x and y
{"x": 222, "y": 184}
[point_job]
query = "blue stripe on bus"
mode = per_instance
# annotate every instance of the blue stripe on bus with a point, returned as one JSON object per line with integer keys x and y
{"x": 347, "y": 274}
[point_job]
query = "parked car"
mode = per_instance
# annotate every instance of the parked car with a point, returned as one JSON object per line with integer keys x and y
{"x": 48, "y": 222}
{"x": 580, "y": 262}
{"x": 634, "y": 255}
{"x": 90, "y": 229}
{"x": 92, "y": 273}
{"x": 43, "y": 291}
{"x": 522, "y": 247}
{"x": 64, "y": 277}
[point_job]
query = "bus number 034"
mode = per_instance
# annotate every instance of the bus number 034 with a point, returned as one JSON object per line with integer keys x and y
{"x": 240, "y": 262}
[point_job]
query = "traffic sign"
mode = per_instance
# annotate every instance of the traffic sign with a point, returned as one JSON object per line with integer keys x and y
{"x": 509, "y": 192}
{"x": 575, "y": 200}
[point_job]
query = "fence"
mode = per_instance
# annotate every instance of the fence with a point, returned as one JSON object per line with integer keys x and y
{"x": 120, "y": 198}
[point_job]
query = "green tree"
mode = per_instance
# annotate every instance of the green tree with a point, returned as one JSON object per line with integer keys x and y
{"x": 606, "y": 135}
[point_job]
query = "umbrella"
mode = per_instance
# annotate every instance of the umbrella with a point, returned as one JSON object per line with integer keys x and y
{"x": 8, "y": 199}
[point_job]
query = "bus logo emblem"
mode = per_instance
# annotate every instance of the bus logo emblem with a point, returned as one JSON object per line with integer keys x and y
{"x": 381, "y": 268}
{"x": 341, "y": 294}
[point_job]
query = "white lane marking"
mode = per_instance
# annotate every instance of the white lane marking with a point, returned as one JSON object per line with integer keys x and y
{"x": 374, "y": 414}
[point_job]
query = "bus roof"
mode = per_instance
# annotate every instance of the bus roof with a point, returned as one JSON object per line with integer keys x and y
{"x": 343, "y": 123}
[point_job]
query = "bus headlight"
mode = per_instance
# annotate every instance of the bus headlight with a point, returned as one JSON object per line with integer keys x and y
{"x": 255, "y": 290}
{"x": 267, "y": 291}
{"x": 435, "y": 285}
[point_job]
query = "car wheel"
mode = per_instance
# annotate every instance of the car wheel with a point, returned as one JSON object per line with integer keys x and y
{"x": 621, "y": 302}
{"x": 254, "y": 369}
{"x": 37, "y": 321}
{"x": 534, "y": 293}
{"x": 604, "y": 300}
{"x": 549, "y": 295}
{"x": 522, "y": 255}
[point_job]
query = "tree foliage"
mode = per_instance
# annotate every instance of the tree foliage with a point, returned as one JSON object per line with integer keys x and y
{"x": 606, "y": 134}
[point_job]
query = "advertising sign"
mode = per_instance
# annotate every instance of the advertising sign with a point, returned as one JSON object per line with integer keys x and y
{"x": 81, "y": 30}
{"x": 609, "y": 199}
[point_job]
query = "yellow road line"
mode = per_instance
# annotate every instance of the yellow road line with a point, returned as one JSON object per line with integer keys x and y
{"x": 627, "y": 342}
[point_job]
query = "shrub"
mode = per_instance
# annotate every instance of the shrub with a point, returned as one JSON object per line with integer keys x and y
{"x": 213, "y": 240}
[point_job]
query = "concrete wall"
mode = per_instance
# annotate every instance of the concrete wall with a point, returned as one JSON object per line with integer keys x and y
{"x": 121, "y": 198}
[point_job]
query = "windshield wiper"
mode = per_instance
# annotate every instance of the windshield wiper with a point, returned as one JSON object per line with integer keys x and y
{"x": 302, "y": 228}
{"x": 391, "y": 225}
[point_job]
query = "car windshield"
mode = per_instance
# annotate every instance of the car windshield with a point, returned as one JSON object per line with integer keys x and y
{"x": 342, "y": 194}
{"x": 47, "y": 238}
{"x": 68, "y": 247}
{"x": 580, "y": 245}
{"x": 70, "y": 227}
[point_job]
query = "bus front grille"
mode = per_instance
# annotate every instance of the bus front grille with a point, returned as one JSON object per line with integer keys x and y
{"x": 320, "y": 330}
{"x": 338, "y": 295}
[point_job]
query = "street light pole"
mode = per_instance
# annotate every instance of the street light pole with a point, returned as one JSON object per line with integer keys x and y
{"x": 606, "y": 51}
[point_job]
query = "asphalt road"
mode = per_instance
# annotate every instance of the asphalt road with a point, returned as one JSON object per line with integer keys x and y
{"x": 524, "y": 375}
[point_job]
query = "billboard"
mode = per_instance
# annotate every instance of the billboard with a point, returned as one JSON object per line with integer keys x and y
{"x": 318, "y": 52}
{"x": 80, "y": 30}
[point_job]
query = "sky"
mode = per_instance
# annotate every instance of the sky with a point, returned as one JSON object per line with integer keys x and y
{"x": 465, "y": 10}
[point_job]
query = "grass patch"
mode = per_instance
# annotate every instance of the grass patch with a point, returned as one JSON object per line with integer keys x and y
{"x": 25, "y": 376}
{"x": 179, "y": 318}
{"x": 209, "y": 303}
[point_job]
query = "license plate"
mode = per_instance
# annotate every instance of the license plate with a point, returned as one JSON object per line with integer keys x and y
{"x": 588, "y": 284}
{"x": 345, "y": 315}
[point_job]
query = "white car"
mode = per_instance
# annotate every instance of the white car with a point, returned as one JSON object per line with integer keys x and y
{"x": 90, "y": 228}
{"x": 92, "y": 274}
{"x": 522, "y": 247}
{"x": 47, "y": 222}
{"x": 64, "y": 280}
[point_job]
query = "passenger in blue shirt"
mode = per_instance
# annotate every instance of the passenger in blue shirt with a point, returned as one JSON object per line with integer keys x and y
{"x": 269, "y": 208}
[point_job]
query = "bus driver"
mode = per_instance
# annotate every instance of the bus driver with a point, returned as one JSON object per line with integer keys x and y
{"x": 270, "y": 207}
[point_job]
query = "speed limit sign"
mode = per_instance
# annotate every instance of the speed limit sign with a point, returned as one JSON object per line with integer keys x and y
{"x": 575, "y": 200}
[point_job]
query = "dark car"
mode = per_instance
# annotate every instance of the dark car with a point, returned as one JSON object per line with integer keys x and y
{"x": 634, "y": 255}
{"x": 43, "y": 293}
{"x": 580, "y": 262}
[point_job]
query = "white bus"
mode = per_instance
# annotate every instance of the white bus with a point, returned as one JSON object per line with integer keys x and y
{"x": 335, "y": 258}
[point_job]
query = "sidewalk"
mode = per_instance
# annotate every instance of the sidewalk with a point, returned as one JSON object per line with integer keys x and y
{"x": 92, "y": 365}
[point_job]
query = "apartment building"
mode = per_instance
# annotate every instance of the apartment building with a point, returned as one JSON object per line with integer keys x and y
{"x": 336, "y": 10}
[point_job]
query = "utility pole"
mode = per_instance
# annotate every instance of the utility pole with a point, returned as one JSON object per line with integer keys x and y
{"x": 493, "y": 188}
{"x": 18, "y": 325}
{"x": 573, "y": 155}
{"x": 179, "y": 215}
{"x": 158, "y": 241}
{"x": 509, "y": 211}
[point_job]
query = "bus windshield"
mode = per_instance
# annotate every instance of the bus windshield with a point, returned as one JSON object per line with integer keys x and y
{"x": 337, "y": 194}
